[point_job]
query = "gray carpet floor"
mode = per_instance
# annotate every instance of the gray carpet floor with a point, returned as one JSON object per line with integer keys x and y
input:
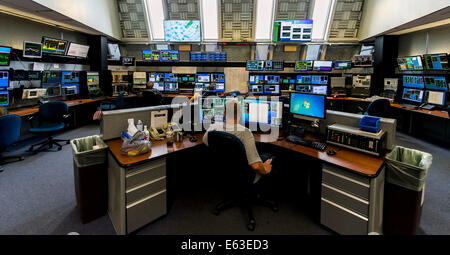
{"x": 37, "y": 197}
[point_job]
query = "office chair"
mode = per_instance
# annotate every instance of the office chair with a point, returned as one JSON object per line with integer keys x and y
{"x": 152, "y": 97}
{"x": 9, "y": 134}
{"x": 242, "y": 191}
{"x": 110, "y": 105}
{"x": 379, "y": 108}
{"x": 52, "y": 116}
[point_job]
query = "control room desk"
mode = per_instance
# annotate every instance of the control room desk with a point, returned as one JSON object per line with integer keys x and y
{"x": 351, "y": 186}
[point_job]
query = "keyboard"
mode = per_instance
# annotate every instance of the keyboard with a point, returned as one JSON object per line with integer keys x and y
{"x": 307, "y": 143}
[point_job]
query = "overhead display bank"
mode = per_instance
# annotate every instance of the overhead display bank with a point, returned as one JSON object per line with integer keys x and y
{"x": 292, "y": 30}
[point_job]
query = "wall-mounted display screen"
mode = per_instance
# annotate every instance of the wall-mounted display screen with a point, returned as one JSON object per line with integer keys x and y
{"x": 78, "y": 50}
{"x": 202, "y": 78}
{"x": 304, "y": 65}
{"x": 319, "y": 80}
{"x": 217, "y": 56}
{"x": 147, "y": 55}
{"x": 4, "y": 79}
{"x": 70, "y": 77}
{"x": 182, "y": 30}
{"x": 256, "y": 79}
{"x": 256, "y": 89}
{"x": 271, "y": 89}
{"x": 414, "y": 95}
{"x": 313, "y": 89}
{"x": 156, "y": 77}
{"x": 413, "y": 82}
{"x": 292, "y": 30}
{"x": 342, "y": 64}
{"x": 198, "y": 56}
{"x": 436, "y": 61}
{"x": 303, "y": 79}
{"x": 255, "y": 65}
{"x": 410, "y": 63}
{"x": 169, "y": 55}
{"x": 435, "y": 82}
{"x": 32, "y": 50}
{"x": 217, "y": 77}
{"x": 54, "y": 46}
{"x": 320, "y": 65}
{"x": 274, "y": 65}
{"x": 5, "y": 56}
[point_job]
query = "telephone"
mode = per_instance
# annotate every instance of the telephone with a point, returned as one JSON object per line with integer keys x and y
{"x": 160, "y": 133}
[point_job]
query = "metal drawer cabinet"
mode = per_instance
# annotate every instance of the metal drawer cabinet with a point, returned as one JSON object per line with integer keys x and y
{"x": 146, "y": 210}
{"x": 341, "y": 220}
{"x": 345, "y": 183}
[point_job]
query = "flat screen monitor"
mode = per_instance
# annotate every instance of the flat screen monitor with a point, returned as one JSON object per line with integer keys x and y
{"x": 434, "y": 97}
{"x": 156, "y": 77}
{"x": 34, "y": 75}
{"x": 212, "y": 110}
{"x": 198, "y": 56}
{"x": 342, "y": 64}
{"x": 54, "y": 46}
{"x": 303, "y": 79}
{"x": 182, "y": 30}
{"x": 170, "y": 86}
{"x": 5, "y": 56}
{"x": 78, "y": 50}
{"x": 32, "y": 50}
{"x": 413, "y": 82}
{"x": 202, "y": 78}
{"x": 320, "y": 65}
{"x": 272, "y": 89}
{"x": 304, "y": 65}
{"x": 4, "y": 98}
{"x": 410, "y": 63}
{"x": 313, "y": 89}
{"x": 70, "y": 89}
{"x": 219, "y": 87}
{"x": 70, "y": 77}
{"x": 308, "y": 105}
{"x": 158, "y": 86}
{"x": 49, "y": 77}
{"x": 256, "y": 79}
{"x": 413, "y": 95}
{"x": 171, "y": 77}
{"x": 156, "y": 56}
{"x": 274, "y": 65}
{"x": 217, "y": 77}
{"x": 169, "y": 55}
{"x": 255, "y": 65}
{"x": 262, "y": 112}
{"x": 217, "y": 56}
{"x": 272, "y": 79}
{"x": 147, "y": 55}
{"x": 435, "y": 82}
{"x": 292, "y": 30}
{"x": 436, "y": 61}
{"x": 256, "y": 89}
{"x": 319, "y": 80}
{"x": 19, "y": 75}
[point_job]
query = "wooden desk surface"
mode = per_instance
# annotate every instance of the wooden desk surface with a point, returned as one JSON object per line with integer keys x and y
{"x": 70, "y": 103}
{"x": 360, "y": 163}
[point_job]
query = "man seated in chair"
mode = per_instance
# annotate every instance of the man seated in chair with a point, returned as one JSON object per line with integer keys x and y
{"x": 232, "y": 115}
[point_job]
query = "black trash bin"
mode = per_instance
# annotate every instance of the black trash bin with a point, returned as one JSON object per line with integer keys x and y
{"x": 91, "y": 177}
{"x": 406, "y": 171}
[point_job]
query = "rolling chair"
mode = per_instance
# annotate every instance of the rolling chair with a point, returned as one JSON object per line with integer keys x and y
{"x": 52, "y": 116}
{"x": 118, "y": 104}
{"x": 242, "y": 191}
{"x": 9, "y": 134}
{"x": 378, "y": 108}
{"x": 152, "y": 97}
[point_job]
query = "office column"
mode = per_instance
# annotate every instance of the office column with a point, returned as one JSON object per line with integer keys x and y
{"x": 98, "y": 55}
{"x": 385, "y": 61}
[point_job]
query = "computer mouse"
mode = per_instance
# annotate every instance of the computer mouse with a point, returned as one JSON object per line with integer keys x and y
{"x": 331, "y": 152}
{"x": 193, "y": 139}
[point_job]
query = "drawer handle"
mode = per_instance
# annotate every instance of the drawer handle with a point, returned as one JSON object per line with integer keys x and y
{"x": 145, "y": 184}
{"x": 346, "y": 178}
{"x": 345, "y": 209}
{"x": 346, "y": 194}
{"x": 143, "y": 170}
{"x": 145, "y": 199}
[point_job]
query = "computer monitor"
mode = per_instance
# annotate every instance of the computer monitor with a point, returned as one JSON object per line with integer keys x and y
{"x": 271, "y": 89}
{"x": 217, "y": 56}
{"x": 4, "y": 98}
{"x": 158, "y": 86}
{"x": 169, "y": 55}
{"x": 256, "y": 79}
{"x": 313, "y": 89}
{"x": 54, "y": 46}
{"x": 202, "y": 78}
{"x": 156, "y": 77}
{"x": 272, "y": 79}
{"x": 308, "y": 105}
{"x": 51, "y": 77}
{"x": 156, "y": 56}
{"x": 255, "y": 65}
{"x": 292, "y": 30}
{"x": 170, "y": 87}
{"x": 413, "y": 81}
{"x": 435, "y": 82}
{"x": 342, "y": 64}
{"x": 32, "y": 49}
{"x": 220, "y": 87}
{"x": 212, "y": 109}
{"x": 304, "y": 65}
{"x": 262, "y": 112}
{"x": 320, "y": 65}
{"x": 77, "y": 50}
{"x": 436, "y": 61}
{"x": 5, "y": 55}
{"x": 170, "y": 77}
{"x": 199, "y": 87}
{"x": 319, "y": 80}
{"x": 434, "y": 97}
{"x": 34, "y": 75}
{"x": 410, "y": 63}
{"x": 198, "y": 56}
{"x": 19, "y": 75}
{"x": 70, "y": 77}
{"x": 217, "y": 77}
{"x": 303, "y": 79}
{"x": 256, "y": 89}
{"x": 147, "y": 55}
{"x": 413, "y": 95}
{"x": 274, "y": 65}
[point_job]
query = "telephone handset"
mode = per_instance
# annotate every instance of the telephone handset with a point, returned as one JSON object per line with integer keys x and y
{"x": 160, "y": 133}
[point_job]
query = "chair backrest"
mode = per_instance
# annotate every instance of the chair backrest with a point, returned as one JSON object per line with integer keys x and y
{"x": 229, "y": 153}
{"x": 379, "y": 108}
{"x": 120, "y": 101}
{"x": 53, "y": 111}
{"x": 9, "y": 129}
{"x": 152, "y": 98}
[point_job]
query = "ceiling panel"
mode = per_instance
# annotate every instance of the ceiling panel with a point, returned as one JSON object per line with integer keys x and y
{"x": 132, "y": 20}
{"x": 292, "y": 9}
{"x": 346, "y": 20}
{"x": 237, "y": 22}
{"x": 183, "y": 9}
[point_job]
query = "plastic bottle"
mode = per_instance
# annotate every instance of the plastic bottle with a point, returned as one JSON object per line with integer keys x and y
{"x": 131, "y": 127}
{"x": 140, "y": 126}
{"x": 146, "y": 134}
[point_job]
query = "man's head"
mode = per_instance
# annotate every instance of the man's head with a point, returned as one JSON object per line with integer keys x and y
{"x": 150, "y": 85}
{"x": 233, "y": 110}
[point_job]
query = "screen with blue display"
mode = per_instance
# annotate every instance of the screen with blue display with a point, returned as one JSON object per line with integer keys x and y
{"x": 319, "y": 80}
{"x": 217, "y": 56}
{"x": 303, "y": 79}
{"x": 414, "y": 95}
{"x": 204, "y": 77}
{"x": 171, "y": 86}
{"x": 255, "y": 65}
{"x": 437, "y": 82}
{"x": 256, "y": 89}
{"x": 322, "y": 65}
{"x": 5, "y": 56}
{"x": 436, "y": 61}
{"x": 51, "y": 77}
{"x": 413, "y": 82}
{"x": 272, "y": 79}
{"x": 308, "y": 105}
{"x": 410, "y": 63}
{"x": 70, "y": 77}
{"x": 156, "y": 77}
{"x": 169, "y": 55}
{"x": 292, "y": 30}
{"x": 217, "y": 77}
{"x": 170, "y": 77}
{"x": 182, "y": 30}
{"x": 340, "y": 65}
{"x": 147, "y": 55}
{"x": 262, "y": 112}
{"x": 197, "y": 56}
{"x": 271, "y": 89}
{"x": 4, "y": 98}
{"x": 4, "y": 79}
{"x": 256, "y": 79}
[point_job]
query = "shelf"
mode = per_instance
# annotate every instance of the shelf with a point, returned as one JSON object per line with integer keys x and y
{"x": 17, "y": 55}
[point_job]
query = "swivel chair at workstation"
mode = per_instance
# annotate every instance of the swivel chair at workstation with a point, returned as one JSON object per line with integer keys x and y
{"x": 9, "y": 134}
{"x": 119, "y": 103}
{"x": 152, "y": 98}
{"x": 52, "y": 116}
{"x": 242, "y": 192}
{"x": 379, "y": 108}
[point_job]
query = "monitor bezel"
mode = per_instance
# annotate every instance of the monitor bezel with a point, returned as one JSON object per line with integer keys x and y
{"x": 307, "y": 116}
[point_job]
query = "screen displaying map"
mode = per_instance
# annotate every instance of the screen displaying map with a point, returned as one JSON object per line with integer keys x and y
{"x": 182, "y": 30}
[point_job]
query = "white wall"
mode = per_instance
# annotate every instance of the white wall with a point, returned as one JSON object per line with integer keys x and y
{"x": 101, "y": 15}
{"x": 382, "y": 15}
{"x": 415, "y": 43}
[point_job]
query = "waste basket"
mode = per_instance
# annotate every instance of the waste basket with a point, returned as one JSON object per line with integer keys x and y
{"x": 90, "y": 173}
{"x": 406, "y": 171}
